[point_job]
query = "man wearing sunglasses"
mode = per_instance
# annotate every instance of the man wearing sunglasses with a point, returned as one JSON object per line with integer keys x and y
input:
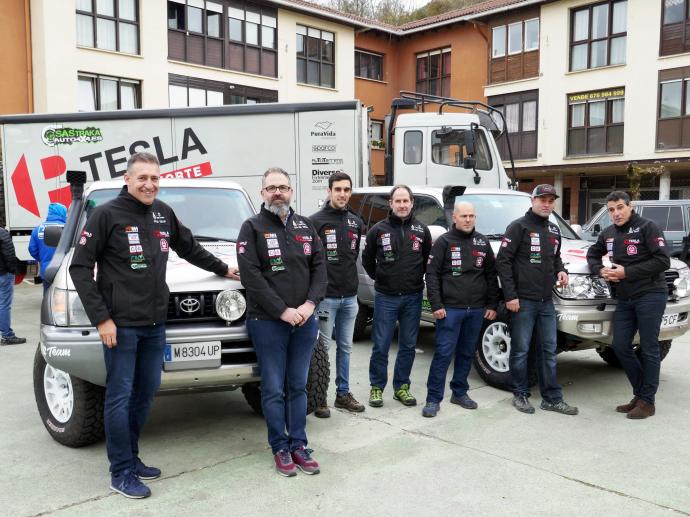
{"x": 282, "y": 267}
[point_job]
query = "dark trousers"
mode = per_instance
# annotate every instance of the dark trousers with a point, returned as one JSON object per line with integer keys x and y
{"x": 457, "y": 334}
{"x": 133, "y": 377}
{"x": 539, "y": 316}
{"x": 284, "y": 353}
{"x": 644, "y": 315}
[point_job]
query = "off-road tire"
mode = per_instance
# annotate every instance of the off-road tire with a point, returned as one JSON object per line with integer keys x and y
{"x": 317, "y": 382}
{"x": 85, "y": 424}
{"x": 362, "y": 321}
{"x": 608, "y": 354}
{"x": 499, "y": 377}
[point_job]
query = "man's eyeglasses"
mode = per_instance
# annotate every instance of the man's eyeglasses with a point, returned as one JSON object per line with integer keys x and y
{"x": 282, "y": 188}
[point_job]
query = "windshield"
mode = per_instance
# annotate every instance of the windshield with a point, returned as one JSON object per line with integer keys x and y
{"x": 496, "y": 211}
{"x": 212, "y": 214}
{"x": 449, "y": 148}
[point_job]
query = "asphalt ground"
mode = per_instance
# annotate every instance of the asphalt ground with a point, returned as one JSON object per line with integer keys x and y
{"x": 492, "y": 461}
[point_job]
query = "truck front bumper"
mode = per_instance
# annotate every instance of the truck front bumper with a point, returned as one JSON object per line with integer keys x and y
{"x": 586, "y": 323}
{"x": 79, "y": 352}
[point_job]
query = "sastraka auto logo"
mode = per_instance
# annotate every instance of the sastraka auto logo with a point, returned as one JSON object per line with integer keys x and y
{"x": 52, "y": 167}
{"x": 59, "y": 135}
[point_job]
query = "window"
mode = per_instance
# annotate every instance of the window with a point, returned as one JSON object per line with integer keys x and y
{"x": 598, "y": 35}
{"x": 668, "y": 218}
{"x": 315, "y": 57}
{"x": 379, "y": 208}
{"x": 595, "y": 122}
{"x": 520, "y": 111}
{"x": 429, "y": 212}
{"x": 498, "y": 41}
{"x": 97, "y": 92}
{"x": 514, "y": 43}
{"x": 448, "y": 148}
{"x": 412, "y": 152}
{"x": 108, "y": 24}
{"x": 193, "y": 92}
{"x": 368, "y": 65}
{"x": 433, "y": 72}
{"x": 675, "y": 33}
{"x": 235, "y": 35}
{"x": 673, "y": 126}
{"x": 376, "y": 134}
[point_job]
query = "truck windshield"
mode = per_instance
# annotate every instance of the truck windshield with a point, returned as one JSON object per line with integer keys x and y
{"x": 210, "y": 213}
{"x": 448, "y": 148}
{"x": 496, "y": 211}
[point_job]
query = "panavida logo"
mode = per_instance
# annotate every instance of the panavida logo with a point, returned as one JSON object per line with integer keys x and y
{"x": 323, "y": 129}
{"x": 55, "y": 135}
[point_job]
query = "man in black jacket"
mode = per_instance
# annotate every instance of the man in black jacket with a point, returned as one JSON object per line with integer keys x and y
{"x": 637, "y": 251}
{"x": 462, "y": 288}
{"x": 529, "y": 264}
{"x": 395, "y": 257}
{"x": 128, "y": 239}
{"x": 8, "y": 269}
{"x": 282, "y": 265}
{"x": 340, "y": 230}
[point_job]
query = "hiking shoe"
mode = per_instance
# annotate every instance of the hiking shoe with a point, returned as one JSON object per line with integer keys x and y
{"x": 144, "y": 472}
{"x": 642, "y": 409}
{"x": 348, "y": 402}
{"x": 403, "y": 395}
{"x": 521, "y": 403}
{"x": 376, "y": 397}
{"x": 302, "y": 458}
{"x": 624, "y": 408}
{"x": 128, "y": 484}
{"x": 559, "y": 407}
{"x": 284, "y": 464}
{"x": 12, "y": 340}
{"x": 430, "y": 409}
{"x": 464, "y": 401}
{"x": 322, "y": 412}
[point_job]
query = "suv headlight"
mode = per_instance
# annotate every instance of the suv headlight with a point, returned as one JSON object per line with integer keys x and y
{"x": 67, "y": 309}
{"x": 230, "y": 305}
{"x": 584, "y": 287}
{"x": 682, "y": 283}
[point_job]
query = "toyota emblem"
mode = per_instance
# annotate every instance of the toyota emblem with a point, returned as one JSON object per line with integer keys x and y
{"x": 190, "y": 305}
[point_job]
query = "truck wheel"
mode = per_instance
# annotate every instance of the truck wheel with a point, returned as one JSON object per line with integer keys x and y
{"x": 362, "y": 321}
{"x": 317, "y": 382}
{"x": 70, "y": 408}
{"x": 493, "y": 352}
{"x": 608, "y": 355}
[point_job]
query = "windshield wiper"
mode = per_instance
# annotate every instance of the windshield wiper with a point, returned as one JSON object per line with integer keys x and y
{"x": 209, "y": 238}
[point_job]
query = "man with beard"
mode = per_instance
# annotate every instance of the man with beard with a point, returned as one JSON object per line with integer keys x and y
{"x": 395, "y": 256}
{"x": 462, "y": 288}
{"x": 529, "y": 264}
{"x": 340, "y": 231}
{"x": 638, "y": 254}
{"x": 282, "y": 267}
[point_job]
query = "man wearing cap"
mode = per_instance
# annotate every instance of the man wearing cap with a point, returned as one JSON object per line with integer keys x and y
{"x": 529, "y": 264}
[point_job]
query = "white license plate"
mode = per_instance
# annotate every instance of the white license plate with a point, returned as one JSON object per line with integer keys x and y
{"x": 206, "y": 351}
{"x": 669, "y": 320}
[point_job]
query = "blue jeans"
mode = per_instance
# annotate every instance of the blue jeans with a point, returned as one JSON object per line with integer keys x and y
{"x": 6, "y": 292}
{"x": 643, "y": 314}
{"x": 339, "y": 313}
{"x": 457, "y": 334}
{"x": 539, "y": 316}
{"x": 284, "y": 354}
{"x": 133, "y": 376}
{"x": 389, "y": 310}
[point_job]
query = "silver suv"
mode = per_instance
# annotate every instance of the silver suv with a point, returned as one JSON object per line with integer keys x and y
{"x": 584, "y": 308}
{"x": 207, "y": 347}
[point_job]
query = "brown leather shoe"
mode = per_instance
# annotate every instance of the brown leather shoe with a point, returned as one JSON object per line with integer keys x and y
{"x": 322, "y": 412}
{"x": 348, "y": 402}
{"x": 641, "y": 410}
{"x": 624, "y": 408}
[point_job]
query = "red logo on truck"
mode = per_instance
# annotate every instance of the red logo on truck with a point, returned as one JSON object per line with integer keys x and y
{"x": 52, "y": 166}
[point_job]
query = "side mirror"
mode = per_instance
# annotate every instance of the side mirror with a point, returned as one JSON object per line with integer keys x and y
{"x": 577, "y": 229}
{"x": 596, "y": 229}
{"x": 436, "y": 231}
{"x": 52, "y": 234}
{"x": 469, "y": 141}
{"x": 469, "y": 162}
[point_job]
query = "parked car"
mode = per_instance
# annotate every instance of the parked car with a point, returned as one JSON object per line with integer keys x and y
{"x": 672, "y": 216}
{"x": 207, "y": 346}
{"x": 584, "y": 308}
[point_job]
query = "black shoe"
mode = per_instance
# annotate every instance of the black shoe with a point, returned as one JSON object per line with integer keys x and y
{"x": 14, "y": 340}
{"x": 521, "y": 403}
{"x": 464, "y": 401}
{"x": 559, "y": 407}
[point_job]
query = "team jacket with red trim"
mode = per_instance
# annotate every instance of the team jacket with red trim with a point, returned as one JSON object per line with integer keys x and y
{"x": 130, "y": 242}
{"x": 340, "y": 232}
{"x": 461, "y": 272}
{"x": 395, "y": 255}
{"x": 281, "y": 265}
{"x": 639, "y": 247}
{"x": 529, "y": 258}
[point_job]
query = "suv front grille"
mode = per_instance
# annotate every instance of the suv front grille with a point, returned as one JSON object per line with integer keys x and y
{"x": 192, "y": 307}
